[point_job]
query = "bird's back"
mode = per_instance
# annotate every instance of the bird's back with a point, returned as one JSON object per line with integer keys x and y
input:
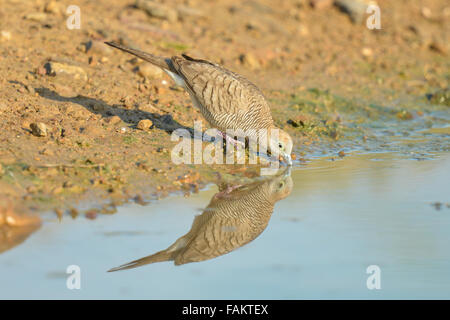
{"x": 226, "y": 99}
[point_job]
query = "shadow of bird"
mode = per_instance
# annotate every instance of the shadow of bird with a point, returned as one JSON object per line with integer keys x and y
{"x": 162, "y": 121}
{"x": 235, "y": 216}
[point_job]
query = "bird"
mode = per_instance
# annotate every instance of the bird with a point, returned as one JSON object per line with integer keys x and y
{"x": 235, "y": 216}
{"x": 227, "y": 100}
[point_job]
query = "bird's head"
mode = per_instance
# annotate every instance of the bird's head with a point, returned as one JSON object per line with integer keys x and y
{"x": 280, "y": 143}
{"x": 281, "y": 185}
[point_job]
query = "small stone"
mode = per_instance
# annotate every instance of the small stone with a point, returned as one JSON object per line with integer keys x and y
{"x": 36, "y": 16}
{"x": 437, "y": 47}
{"x": 426, "y": 12}
{"x": 249, "y": 60}
{"x": 92, "y": 61}
{"x": 303, "y": 30}
{"x": 39, "y": 129}
{"x": 293, "y": 123}
{"x": 91, "y": 214}
{"x": 145, "y": 124}
{"x": 53, "y": 7}
{"x": 148, "y": 70}
{"x": 367, "y": 52}
{"x": 157, "y": 10}
{"x": 56, "y": 68}
{"x": 341, "y": 154}
{"x": 5, "y": 35}
{"x": 356, "y": 9}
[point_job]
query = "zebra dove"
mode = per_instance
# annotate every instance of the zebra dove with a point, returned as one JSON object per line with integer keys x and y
{"x": 226, "y": 100}
{"x": 234, "y": 217}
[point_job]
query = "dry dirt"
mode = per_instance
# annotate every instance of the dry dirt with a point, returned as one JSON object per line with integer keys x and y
{"x": 71, "y": 138}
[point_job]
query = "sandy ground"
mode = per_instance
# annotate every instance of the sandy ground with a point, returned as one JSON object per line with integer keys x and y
{"x": 325, "y": 75}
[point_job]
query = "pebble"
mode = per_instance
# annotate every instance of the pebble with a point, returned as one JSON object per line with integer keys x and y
{"x": 367, "y": 52}
{"x": 148, "y": 70}
{"x": 157, "y": 10}
{"x": 437, "y": 47}
{"x": 91, "y": 214}
{"x": 5, "y": 35}
{"x": 53, "y": 7}
{"x": 57, "y": 68}
{"x": 356, "y": 9}
{"x": 39, "y": 129}
{"x": 303, "y": 30}
{"x": 145, "y": 124}
{"x": 426, "y": 12}
{"x": 293, "y": 123}
{"x": 36, "y": 16}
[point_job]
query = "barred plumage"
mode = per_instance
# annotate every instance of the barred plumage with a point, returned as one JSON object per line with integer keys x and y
{"x": 233, "y": 218}
{"x": 226, "y": 100}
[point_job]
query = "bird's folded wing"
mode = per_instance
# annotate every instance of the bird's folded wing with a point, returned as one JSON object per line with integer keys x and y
{"x": 229, "y": 99}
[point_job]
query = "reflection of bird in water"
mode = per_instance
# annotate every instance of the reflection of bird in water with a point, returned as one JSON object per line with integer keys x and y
{"x": 234, "y": 217}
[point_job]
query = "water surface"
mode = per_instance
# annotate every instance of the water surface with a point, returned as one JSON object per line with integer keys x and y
{"x": 330, "y": 221}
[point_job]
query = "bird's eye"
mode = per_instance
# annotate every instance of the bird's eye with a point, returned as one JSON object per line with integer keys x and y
{"x": 280, "y": 185}
{"x": 280, "y": 146}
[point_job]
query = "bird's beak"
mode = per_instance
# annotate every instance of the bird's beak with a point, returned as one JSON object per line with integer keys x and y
{"x": 287, "y": 172}
{"x": 286, "y": 158}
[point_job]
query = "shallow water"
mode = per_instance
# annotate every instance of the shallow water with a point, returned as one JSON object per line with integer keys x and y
{"x": 339, "y": 218}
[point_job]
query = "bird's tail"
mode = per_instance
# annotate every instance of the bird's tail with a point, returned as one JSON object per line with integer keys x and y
{"x": 161, "y": 256}
{"x": 164, "y": 63}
